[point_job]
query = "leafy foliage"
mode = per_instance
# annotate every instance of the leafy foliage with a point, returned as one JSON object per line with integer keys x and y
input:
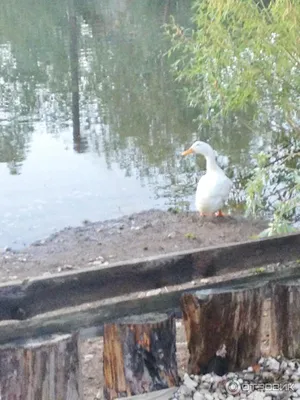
{"x": 241, "y": 57}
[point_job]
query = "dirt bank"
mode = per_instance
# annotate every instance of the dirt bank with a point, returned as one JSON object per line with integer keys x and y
{"x": 136, "y": 236}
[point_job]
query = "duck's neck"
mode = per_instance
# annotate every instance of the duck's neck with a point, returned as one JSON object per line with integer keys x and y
{"x": 211, "y": 163}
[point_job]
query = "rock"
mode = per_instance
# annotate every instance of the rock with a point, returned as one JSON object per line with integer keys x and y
{"x": 209, "y": 396}
{"x": 291, "y": 365}
{"x": 171, "y": 235}
{"x": 207, "y": 378}
{"x": 205, "y": 385}
{"x": 198, "y": 396}
{"x": 267, "y": 376}
{"x": 268, "y": 397}
{"x": 273, "y": 364}
{"x": 295, "y": 378}
{"x": 249, "y": 376}
{"x": 258, "y": 395}
{"x": 297, "y": 386}
{"x": 231, "y": 375}
{"x": 190, "y": 383}
{"x": 283, "y": 365}
{"x": 186, "y": 391}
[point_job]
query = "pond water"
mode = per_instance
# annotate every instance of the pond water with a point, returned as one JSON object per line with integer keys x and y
{"x": 92, "y": 122}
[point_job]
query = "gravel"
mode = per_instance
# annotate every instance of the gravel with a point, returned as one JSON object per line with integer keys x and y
{"x": 273, "y": 378}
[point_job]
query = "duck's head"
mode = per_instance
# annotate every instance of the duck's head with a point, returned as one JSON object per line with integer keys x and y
{"x": 199, "y": 148}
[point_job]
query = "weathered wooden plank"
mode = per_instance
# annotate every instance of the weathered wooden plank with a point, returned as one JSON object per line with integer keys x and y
{"x": 94, "y": 314}
{"x": 165, "y": 394}
{"x": 20, "y": 300}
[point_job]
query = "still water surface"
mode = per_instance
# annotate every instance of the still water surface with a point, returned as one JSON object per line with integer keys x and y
{"x": 92, "y": 122}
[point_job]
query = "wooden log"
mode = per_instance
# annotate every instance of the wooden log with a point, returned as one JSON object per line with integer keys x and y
{"x": 225, "y": 318}
{"x": 285, "y": 320}
{"x": 22, "y": 300}
{"x": 139, "y": 355}
{"x": 44, "y": 369}
{"x": 96, "y": 314}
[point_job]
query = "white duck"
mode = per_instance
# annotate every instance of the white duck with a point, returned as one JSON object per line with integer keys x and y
{"x": 214, "y": 187}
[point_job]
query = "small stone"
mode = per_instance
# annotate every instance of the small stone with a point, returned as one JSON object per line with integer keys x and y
{"x": 291, "y": 364}
{"x": 298, "y": 391}
{"x": 283, "y": 365}
{"x": 295, "y": 378}
{"x": 297, "y": 386}
{"x": 189, "y": 382}
{"x": 250, "y": 369}
{"x": 249, "y": 376}
{"x": 205, "y": 385}
{"x": 171, "y": 235}
{"x": 186, "y": 391}
{"x": 257, "y": 395}
{"x": 209, "y": 396}
{"x": 261, "y": 361}
{"x": 273, "y": 364}
{"x": 267, "y": 376}
{"x": 231, "y": 375}
{"x": 97, "y": 262}
{"x": 198, "y": 396}
{"x": 286, "y": 377}
{"x": 268, "y": 397}
{"x": 207, "y": 378}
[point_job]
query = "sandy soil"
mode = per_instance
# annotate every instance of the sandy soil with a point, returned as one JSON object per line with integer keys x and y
{"x": 136, "y": 236}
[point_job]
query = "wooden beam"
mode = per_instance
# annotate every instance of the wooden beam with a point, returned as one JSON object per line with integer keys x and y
{"x": 21, "y": 300}
{"x": 95, "y": 314}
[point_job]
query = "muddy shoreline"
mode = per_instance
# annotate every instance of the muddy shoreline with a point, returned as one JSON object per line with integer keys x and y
{"x": 139, "y": 235}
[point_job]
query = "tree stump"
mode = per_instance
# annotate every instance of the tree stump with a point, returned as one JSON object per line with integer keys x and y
{"x": 139, "y": 355}
{"x": 228, "y": 320}
{"x": 41, "y": 369}
{"x": 285, "y": 320}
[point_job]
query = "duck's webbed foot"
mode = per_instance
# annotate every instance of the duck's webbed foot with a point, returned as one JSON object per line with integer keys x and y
{"x": 219, "y": 214}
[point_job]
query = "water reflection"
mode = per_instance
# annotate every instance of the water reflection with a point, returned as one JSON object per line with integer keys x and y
{"x": 94, "y": 73}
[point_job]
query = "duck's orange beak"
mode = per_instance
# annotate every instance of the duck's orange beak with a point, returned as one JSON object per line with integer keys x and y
{"x": 186, "y": 152}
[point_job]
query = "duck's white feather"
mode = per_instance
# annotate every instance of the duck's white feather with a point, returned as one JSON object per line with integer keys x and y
{"x": 212, "y": 191}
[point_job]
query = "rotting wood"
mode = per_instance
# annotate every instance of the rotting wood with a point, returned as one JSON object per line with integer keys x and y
{"x": 285, "y": 320}
{"x": 21, "y": 300}
{"x": 45, "y": 369}
{"x": 97, "y": 313}
{"x": 230, "y": 318}
{"x": 139, "y": 355}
